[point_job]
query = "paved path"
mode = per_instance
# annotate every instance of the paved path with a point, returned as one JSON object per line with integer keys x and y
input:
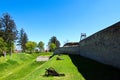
{"x": 42, "y": 58}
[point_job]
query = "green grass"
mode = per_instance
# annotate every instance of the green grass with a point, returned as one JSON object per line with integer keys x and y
{"x": 64, "y": 66}
{"x": 18, "y": 65}
{"x": 46, "y": 53}
{"x": 24, "y": 67}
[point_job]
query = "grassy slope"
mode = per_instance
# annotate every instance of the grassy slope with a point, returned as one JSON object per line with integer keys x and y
{"x": 62, "y": 66}
{"x": 17, "y": 66}
{"x": 24, "y": 67}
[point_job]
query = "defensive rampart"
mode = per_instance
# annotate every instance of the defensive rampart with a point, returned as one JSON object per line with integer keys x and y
{"x": 103, "y": 46}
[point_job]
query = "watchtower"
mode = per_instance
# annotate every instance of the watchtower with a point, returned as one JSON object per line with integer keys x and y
{"x": 83, "y": 36}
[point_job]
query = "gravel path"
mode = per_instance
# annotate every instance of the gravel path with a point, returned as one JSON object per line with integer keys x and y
{"x": 42, "y": 58}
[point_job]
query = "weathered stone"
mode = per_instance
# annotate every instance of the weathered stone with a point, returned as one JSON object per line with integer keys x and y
{"x": 42, "y": 58}
{"x": 103, "y": 46}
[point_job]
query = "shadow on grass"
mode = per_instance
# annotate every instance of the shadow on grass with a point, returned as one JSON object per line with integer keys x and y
{"x": 92, "y": 70}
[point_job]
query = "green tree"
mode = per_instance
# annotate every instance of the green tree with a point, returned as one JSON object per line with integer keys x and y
{"x": 30, "y": 45}
{"x": 1, "y": 29}
{"x": 23, "y": 39}
{"x": 8, "y": 30}
{"x": 41, "y": 46}
{"x": 52, "y": 47}
{"x": 55, "y": 41}
{"x": 2, "y": 46}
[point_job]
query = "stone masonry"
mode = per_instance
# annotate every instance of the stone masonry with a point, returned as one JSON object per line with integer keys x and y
{"x": 103, "y": 46}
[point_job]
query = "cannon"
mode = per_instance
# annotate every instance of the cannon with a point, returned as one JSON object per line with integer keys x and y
{"x": 52, "y": 72}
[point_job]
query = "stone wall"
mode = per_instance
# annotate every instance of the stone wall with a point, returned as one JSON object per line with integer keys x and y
{"x": 67, "y": 50}
{"x": 103, "y": 46}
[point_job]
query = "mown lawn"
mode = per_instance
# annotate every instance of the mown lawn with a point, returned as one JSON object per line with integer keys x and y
{"x": 18, "y": 66}
{"x": 24, "y": 67}
{"x": 64, "y": 66}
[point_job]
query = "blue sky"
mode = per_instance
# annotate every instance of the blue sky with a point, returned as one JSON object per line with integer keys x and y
{"x": 65, "y": 19}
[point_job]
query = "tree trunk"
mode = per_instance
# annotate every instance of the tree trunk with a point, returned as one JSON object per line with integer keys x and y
{"x": 11, "y": 51}
{"x": 4, "y": 52}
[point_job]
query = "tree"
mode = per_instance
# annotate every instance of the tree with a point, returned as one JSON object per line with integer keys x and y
{"x": 55, "y": 41}
{"x": 52, "y": 46}
{"x": 2, "y": 46}
{"x": 41, "y": 46}
{"x": 23, "y": 39}
{"x": 1, "y": 29}
{"x": 30, "y": 45}
{"x": 8, "y": 30}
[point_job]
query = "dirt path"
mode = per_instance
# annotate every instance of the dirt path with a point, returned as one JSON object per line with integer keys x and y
{"x": 42, "y": 58}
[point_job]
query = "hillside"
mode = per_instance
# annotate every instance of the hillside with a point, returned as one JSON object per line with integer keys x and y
{"x": 25, "y": 67}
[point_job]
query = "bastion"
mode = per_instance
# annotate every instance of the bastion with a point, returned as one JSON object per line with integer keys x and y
{"x": 103, "y": 46}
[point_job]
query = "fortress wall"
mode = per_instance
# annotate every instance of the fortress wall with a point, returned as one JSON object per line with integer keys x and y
{"x": 67, "y": 50}
{"x": 103, "y": 46}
